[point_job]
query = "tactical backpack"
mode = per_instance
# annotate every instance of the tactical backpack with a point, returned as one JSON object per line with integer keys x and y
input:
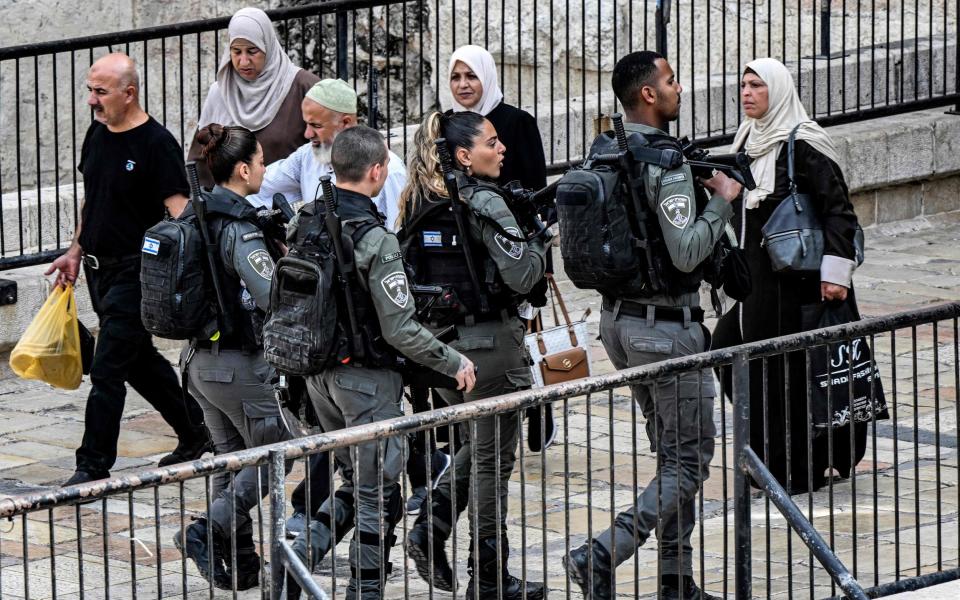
{"x": 599, "y": 237}
{"x": 177, "y": 299}
{"x": 304, "y": 332}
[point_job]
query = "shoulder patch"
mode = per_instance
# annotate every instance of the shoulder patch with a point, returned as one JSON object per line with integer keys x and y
{"x": 262, "y": 263}
{"x": 674, "y": 178}
{"x": 390, "y": 257}
{"x": 677, "y": 210}
{"x": 511, "y": 248}
{"x": 395, "y": 285}
{"x": 253, "y": 235}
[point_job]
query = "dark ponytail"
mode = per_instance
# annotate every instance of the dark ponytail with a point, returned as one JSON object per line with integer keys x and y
{"x": 223, "y": 147}
{"x": 460, "y": 129}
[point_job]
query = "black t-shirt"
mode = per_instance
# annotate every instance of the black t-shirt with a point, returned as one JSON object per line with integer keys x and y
{"x": 126, "y": 178}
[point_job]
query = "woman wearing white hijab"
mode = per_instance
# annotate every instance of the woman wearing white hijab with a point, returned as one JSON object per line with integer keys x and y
{"x": 258, "y": 87}
{"x": 772, "y": 109}
{"x": 474, "y": 86}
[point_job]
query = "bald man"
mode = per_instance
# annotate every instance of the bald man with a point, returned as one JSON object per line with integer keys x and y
{"x": 132, "y": 173}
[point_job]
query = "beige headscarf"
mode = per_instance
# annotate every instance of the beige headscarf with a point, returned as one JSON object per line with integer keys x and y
{"x": 252, "y": 104}
{"x": 480, "y": 62}
{"x": 764, "y": 136}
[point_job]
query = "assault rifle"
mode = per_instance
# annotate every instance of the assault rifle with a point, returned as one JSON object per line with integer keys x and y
{"x": 702, "y": 163}
{"x": 458, "y": 208}
{"x": 345, "y": 264}
{"x": 527, "y": 207}
{"x": 199, "y": 205}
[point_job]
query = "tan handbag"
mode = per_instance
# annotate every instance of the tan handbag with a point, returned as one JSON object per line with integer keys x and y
{"x": 563, "y": 365}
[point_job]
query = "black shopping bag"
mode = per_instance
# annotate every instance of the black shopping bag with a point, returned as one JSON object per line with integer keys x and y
{"x": 830, "y": 368}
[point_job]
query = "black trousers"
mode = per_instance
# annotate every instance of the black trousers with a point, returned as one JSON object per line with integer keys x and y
{"x": 125, "y": 354}
{"x": 319, "y": 485}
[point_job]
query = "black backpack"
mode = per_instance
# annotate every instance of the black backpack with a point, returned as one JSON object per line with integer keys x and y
{"x": 599, "y": 233}
{"x": 177, "y": 299}
{"x": 303, "y": 333}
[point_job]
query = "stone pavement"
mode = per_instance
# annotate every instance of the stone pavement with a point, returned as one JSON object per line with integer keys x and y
{"x": 909, "y": 264}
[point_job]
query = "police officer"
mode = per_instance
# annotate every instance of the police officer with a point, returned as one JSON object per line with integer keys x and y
{"x": 641, "y": 330}
{"x": 229, "y": 377}
{"x": 367, "y": 391}
{"x": 489, "y": 332}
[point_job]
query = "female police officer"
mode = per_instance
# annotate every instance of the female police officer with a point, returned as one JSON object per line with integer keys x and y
{"x": 229, "y": 377}
{"x": 485, "y": 289}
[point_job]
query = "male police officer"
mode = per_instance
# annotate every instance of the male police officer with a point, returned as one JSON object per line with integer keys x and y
{"x": 639, "y": 331}
{"x": 350, "y": 394}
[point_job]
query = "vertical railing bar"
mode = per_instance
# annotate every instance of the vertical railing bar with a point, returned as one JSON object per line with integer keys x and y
{"x": 331, "y": 460}
{"x": 765, "y": 398}
{"x": 26, "y": 554}
{"x": 159, "y": 546}
{"x": 788, "y": 434}
{"x": 724, "y": 488}
{"x": 916, "y": 445}
{"x": 183, "y": 139}
{"x": 232, "y": 559}
{"x": 636, "y": 486}
{"x": 277, "y": 523}
{"x": 523, "y": 495}
{"x": 53, "y": 556}
{"x": 613, "y": 489}
{"x": 543, "y": 500}
{"x": 566, "y": 469}
{"x": 105, "y": 527}
{"x": 262, "y": 566}
{"x": 896, "y": 458}
{"x": 936, "y": 435}
{"x": 381, "y": 529}
{"x": 583, "y": 77}
{"x": 830, "y": 445}
{"x": 566, "y": 24}
{"x": 183, "y": 536}
{"x": 740, "y": 376}
{"x": 809, "y": 441}
{"x": 19, "y": 166}
{"x": 452, "y": 446}
{"x": 56, "y": 156}
{"x": 79, "y": 549}
{"x": 700, "y": 476}
{"x": 852, "y": 449}
{"x": 404, "y": 479}
{"x": 709, "y": 90}
{"x": 36, "y": 129}
{"x": 163, "y": 79}
{"x": 589, "y": 475}
{"x": 207, "y": 486}
{"x": 133, "y": 547}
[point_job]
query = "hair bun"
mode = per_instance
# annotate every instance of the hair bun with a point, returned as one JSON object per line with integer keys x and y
{"x": 210, "y": 138}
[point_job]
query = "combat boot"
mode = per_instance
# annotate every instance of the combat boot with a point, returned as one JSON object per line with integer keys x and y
{"x": 195, "y": 547}
{"x": 320, "y": 537}
{"x": 577, "y": 565}
{"x": 438, "y": 574}
{"x": 248, "y": 562}
{"x": 686, "y": 588}
{"x": 490, "y": 578}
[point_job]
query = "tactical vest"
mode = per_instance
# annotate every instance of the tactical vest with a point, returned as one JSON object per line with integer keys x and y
{"x": 356, "y": 222}
{"x": 434, "y": 256}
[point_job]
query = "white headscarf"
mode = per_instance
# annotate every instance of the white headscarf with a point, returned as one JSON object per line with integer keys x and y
{"x": 763, "y": 136}
{"x": 252, "y": 104}
{"x": 480, "y": 62}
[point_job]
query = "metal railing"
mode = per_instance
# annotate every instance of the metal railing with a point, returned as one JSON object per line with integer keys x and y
{"x": 554, "y": 58}
{"x": 890, "y": 525}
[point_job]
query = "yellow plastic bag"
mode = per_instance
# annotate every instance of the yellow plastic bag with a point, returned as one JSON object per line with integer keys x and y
{"x": 49, "y": 350}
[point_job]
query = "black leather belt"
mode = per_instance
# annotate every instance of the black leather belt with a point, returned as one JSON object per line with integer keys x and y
{"x": 108, "y": 262}
{"x": 661, "y": 313}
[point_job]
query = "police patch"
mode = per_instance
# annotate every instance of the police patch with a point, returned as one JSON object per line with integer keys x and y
{"x": 253, "y": 235}
{"x": 395, "y": 285}
{"x": 511, "y": 248}
{"x": 677, "y": 210}
{"x": 390, "y": 257}
{"x": 675, "y": 178}
{"x": 261, "y": 262}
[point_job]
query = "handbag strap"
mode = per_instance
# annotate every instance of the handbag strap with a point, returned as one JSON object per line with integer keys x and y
{"x": 790, "y": 170}
{"x": 563, "y": 308}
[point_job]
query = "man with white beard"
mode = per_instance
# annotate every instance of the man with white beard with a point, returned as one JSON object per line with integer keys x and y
{"x": 329, "y": 107}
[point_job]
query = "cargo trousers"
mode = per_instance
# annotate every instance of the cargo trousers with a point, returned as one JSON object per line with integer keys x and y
{"x": 503, "y": 366}
{"x": 240, "y": 411}
{"x": 346, "y": 396}
{"x": 679, "y": 423}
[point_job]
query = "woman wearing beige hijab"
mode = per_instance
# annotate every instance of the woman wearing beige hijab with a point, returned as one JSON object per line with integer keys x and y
{"x": 771, "y": 110}
{"x": 258, "y": 87}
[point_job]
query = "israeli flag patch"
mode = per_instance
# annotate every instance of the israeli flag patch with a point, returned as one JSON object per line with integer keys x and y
{"x": 151, "y": 246}
{"x": 432, "y": 239}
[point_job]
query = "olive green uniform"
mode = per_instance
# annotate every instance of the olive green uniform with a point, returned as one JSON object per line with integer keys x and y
{"x": 503, "y": 365}
{"x": 678, "y": 411}
{"x": 348, "y": 395}
{"x": 232, "y": 383}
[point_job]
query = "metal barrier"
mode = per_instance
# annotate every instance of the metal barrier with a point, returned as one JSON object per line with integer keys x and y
{"x": 891, "y": 525}
{"x": 554, "y": 58}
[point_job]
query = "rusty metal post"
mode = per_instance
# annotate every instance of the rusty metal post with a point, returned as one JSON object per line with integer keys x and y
{"x": 741, "y": 485}
{"x": 278, "y": 505}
